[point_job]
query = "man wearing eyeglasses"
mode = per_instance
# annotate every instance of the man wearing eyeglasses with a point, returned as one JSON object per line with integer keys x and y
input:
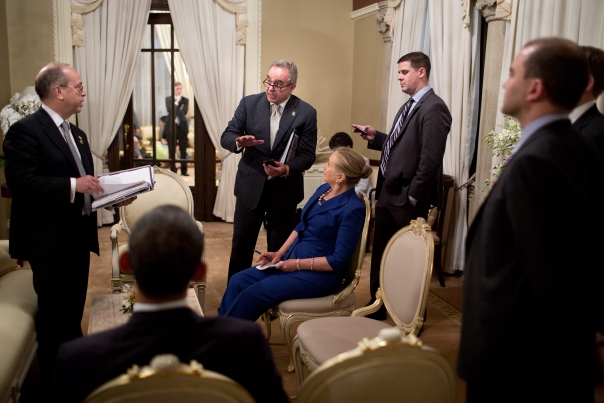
{"x": 49, "y": 171}
{"x": 266, "y": 189}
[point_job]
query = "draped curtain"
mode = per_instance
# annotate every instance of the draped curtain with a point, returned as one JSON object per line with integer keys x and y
{"x": 207, "y": 36}
{"x": 451, "y": 57}
{"x": 107, "y": 64}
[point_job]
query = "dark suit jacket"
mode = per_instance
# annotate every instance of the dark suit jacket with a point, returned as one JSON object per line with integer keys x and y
{"x": 181, "y": 111}
{"x": 531, "y": 275}
{"x": 591, "y": 126}
{"x": 415, "y": 161}
{"x": 232, "y": 347}
{"x": 252, "y": 117}
{"x": 44, "y": 224}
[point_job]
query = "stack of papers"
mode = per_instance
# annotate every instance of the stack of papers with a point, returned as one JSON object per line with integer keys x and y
{"x": 122, "y": 185}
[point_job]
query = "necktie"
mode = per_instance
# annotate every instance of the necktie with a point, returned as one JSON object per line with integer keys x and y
{"x": 76, "y": 157}
{"x": 394, "y": 136}
{"x": 275, "y": 118}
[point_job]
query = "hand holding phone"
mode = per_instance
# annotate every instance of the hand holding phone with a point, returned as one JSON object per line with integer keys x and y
{"x": 270, "y": 162}
{"x": 359, "y": 130}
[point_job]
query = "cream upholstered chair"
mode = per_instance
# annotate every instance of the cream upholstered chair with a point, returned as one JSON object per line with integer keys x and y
{"x": 169, "y": 189}
{"x": 405, "y": 273}
{"x": 389, "y": 368}
{"x": 166, "y": 379}
{"x": 340, "y": 304}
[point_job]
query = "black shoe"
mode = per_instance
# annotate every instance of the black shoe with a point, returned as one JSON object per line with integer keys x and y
{"x": 380, "y": 314}
{"x": 185, "y": 174}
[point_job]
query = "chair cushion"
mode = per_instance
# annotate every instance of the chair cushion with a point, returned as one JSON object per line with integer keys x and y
{"x": 17, "y": 289}
{"x": 316, "y": 305}
{"x": 6, "y": 263}
{"x": 324, "y": 338}
{"x": 16, "y": 334}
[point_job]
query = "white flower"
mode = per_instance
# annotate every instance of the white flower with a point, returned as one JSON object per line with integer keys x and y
{"x": 19, "y": 107}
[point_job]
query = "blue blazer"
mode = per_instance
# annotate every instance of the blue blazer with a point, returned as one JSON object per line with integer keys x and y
{"x": 331, "y": 229}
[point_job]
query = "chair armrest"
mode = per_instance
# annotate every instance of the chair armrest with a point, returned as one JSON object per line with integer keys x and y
{"x": 341, "y": 296}
{"x": 371, "y": 308}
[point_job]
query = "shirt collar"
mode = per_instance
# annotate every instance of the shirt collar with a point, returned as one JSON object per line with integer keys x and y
{"x": 535, "y": 125}
{"x": 53, "y": 115}
{"x": 282, "y": 104}
{"x": 580, "y": 110}
{"x": 418, "y": 95}
{"x": 160, "y": 306}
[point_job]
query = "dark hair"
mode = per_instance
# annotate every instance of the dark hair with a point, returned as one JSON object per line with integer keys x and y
{"x": 417, "y": 61}
{"x": 165, "y": 250}
{"x": 562, "y": 67}
{"x": 340, "y": 139}
{"x": 595, "y": 59}
{"x": 352, "y": 165}
{"x": 291, "y": 66}
{"x": 50, "y": 76}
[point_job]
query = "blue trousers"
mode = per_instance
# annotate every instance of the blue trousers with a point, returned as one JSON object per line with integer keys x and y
{"x": 252, "y": 292}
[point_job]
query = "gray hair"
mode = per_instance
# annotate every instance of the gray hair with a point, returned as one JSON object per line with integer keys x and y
{"x": 50, "y": 76}
{"x": 291, "y": 66}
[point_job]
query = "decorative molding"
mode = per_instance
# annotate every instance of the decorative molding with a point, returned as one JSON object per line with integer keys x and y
{"x": 365, "y": 11}
{"x": 240, "y": 19}
{"x": 384, "y": 23}
{"x": 495, "y": 10}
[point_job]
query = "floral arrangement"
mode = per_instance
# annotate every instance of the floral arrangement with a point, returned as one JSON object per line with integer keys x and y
{"x": 20, "y": 106}
{"x": 503, "y": 143}
{"x": 129, "y": 301}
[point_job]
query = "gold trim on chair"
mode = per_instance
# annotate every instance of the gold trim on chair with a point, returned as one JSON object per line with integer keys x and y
{"x": 388, "y": 368}
{"x": 166, "y": 379}
{"x": 130, "y": 214}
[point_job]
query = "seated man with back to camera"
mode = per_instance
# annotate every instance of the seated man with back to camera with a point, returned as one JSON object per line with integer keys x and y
{"x": 341, "y": 139}
{"x": 313, "y": 260}
{"x": 162, "y": 323}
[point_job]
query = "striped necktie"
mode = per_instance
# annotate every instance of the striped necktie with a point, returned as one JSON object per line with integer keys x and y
{"x": 76, "y": 157}
{"x": 397, "y": 131}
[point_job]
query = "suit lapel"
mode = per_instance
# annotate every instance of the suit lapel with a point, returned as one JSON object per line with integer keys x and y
{"x": 288, "y": 116}
{"x": 54, "y": 134}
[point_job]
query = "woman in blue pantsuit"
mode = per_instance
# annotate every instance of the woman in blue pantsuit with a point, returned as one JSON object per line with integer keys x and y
{"x": 313, "y": 260}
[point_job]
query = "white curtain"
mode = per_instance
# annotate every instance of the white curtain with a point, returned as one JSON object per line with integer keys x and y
{"x": 180, "y": 70}
{"x": 107, "y": 65}
{"x": 451, "y": 57}
{"x": 577, "y": 20}
{"x": 207, "y": 36}
{"x": 408, "y": 35}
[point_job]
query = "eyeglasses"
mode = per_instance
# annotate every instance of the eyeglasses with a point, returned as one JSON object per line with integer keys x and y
{"x": 78, "y": 88}
{"x": 275, "y": 86}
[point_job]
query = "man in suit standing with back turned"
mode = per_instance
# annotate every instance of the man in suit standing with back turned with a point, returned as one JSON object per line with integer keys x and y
{"x": 410, "y": 175}
{"x": 49, "y": 171}
{"x": 261, "y": 128}
{"x": 585, "y": 117}
{"x": 532, "y": 290}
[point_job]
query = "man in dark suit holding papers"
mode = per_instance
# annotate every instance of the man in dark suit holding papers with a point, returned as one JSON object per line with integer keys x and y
{"x": 269, "y": 192}
{"x": 49, "y": 171}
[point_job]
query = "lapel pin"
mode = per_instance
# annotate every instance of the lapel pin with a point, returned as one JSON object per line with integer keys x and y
{"x": 81, "y": 141}
{"x": 294, "y": 113}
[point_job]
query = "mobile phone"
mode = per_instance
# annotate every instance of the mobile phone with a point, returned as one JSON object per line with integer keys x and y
{"x": 270, "y": 162}
{"x": 359, "y": 130}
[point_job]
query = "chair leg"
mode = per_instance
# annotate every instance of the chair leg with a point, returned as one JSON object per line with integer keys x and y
{"x": 286, "y": 324}
{"x": 298, "y": 364}
{"x": 266, "y": 318}
{"x": 438, "y": 264}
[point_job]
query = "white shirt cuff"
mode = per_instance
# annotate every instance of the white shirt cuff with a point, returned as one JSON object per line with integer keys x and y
{"x": 72, "y": 192}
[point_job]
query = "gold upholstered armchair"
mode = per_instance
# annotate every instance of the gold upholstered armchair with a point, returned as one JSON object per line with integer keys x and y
{"x": 167, "y": 380}
{"x": 389, "y": 368}
{"x": 169, "y": 189}
{"x": 340, "y": 304}
{"x": 405, "y": 273}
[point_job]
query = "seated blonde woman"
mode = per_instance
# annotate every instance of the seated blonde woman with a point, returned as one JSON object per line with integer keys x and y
{"x": 312, "y": 262}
